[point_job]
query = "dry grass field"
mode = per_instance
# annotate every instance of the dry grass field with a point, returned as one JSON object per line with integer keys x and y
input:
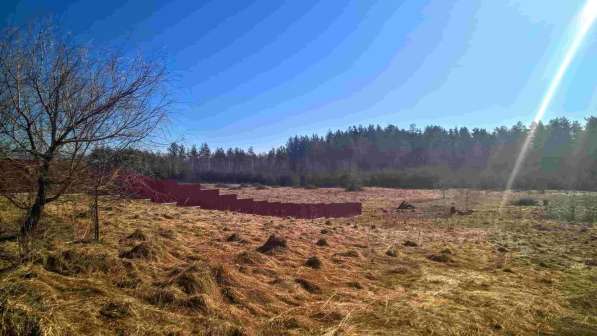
{"x": 166, "y": 270}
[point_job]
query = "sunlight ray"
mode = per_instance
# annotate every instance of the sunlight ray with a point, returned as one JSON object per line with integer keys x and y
{"x": 586, "y": 19}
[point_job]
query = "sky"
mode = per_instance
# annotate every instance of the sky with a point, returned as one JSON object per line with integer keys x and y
{"x": 254, "y": 73}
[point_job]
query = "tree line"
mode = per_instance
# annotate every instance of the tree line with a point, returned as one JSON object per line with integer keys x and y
{"x": 563, "y": 155}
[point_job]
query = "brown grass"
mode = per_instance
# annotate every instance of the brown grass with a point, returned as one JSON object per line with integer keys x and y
{"x": 163, "y": 270}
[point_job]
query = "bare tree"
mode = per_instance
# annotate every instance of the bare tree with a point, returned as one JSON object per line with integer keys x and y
{"x": 58, "y": 99}
{"x": 104, "y": 178}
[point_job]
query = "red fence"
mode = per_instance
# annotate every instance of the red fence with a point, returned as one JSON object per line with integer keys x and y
{"x": 168, "y": 191}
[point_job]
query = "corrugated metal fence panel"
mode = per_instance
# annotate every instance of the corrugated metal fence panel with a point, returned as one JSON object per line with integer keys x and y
{"x": 276, "y": 209}
{"x": 162, "y": 191}
{"x": 246, "y": 205}
{"x": 334, "y": 210}
{"x": 261, "y": 208}
{"x": 227, "y": 202}
{"x": 185, "y": 194}
{"x": 356, "y": 209}
{"x": 202, "y": 198}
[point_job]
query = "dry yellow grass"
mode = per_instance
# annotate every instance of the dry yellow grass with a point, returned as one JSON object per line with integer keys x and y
{"x": 164, "y": 270}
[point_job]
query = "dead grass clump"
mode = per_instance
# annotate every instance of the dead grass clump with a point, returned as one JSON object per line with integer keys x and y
{"x": 268, "y": 272}
{"x": 207, "y": 280}
{"x": 446, "y": 251}
{"x": 249, "y": 258}
{"x": 273, "y": 244}
{"x": 198, "y": 303}
{"x": 114, "y": 310}
{"x": 140, "y": 251}
{"x": 410, "y": 243}
{"x": 313, "y": 262}
{"x": 224, "y": 279}
{"x": 187, "y": 282}
{"x": 283, "y": 323}
{"x": 440, "y": 257}
{"x": 354, "y": 284}
{"x": 327, "y": 316}
{"x": 82, "y": 214}
{"x": 399, "y": 270}
{"x": 53, "y": 263}
{"x": 502, "y": 249}
{"x": 8, "y": 261}
{"x": 322, "y": 242}
{"x": 222, "y": 275}
{"x": 525, "y": 201}
{"x": 166, "y": 233}
{"x": 73, "y": 262}
{"x": 542, "y": 227}
{"x": 235, "y": 237}
{"x": 127, "y": 281}
{"x": 226, "y": 329}
{"x": 160, "y": 296}
{"x": 137, "y": 235}
{"x": 125, "y": 276}
{"x": 294, "y": 324}
{"x": 350, "y": 254}
{"x": 308, "y": 285}
{"x": 231, "y": 295}
{"x": 17, "y": 322}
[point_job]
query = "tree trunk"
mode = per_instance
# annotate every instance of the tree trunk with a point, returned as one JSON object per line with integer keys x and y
{"x": 95, "y": 216}
{"x": 36, "y": 210}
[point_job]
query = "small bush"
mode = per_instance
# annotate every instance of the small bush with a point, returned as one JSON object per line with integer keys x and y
{"x": 441, "y": 258}
{"x": 15, "y": 321}
{"x": 525, "y": 201}
{"x": 141, "y": 251}
{"x": 114, "y": 310}
{"x": 160, "y": 296}
{"x": 573, "y": 208}
{"x": 197, "y": 302}
{"x": 322, "y": 242}
{"x": 137, "y": 235}
{"x": 308, "y": 286}
{"x": 313, "y": 262}
{"x": 272, "y": 244}
{"x": 353, "y": 185}
{"x": 410, "y": 243}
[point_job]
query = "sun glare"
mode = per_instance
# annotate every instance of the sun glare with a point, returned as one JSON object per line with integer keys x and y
{"x": 588, "y": 15}
{"x": 586, "y": 19}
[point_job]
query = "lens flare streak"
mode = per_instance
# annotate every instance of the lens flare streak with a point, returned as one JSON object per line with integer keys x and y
{"x": 586, "y": 19}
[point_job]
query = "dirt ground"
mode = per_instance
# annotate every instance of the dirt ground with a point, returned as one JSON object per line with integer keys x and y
{"x": 370, "y": 197}
{"x": 166, "y": 270}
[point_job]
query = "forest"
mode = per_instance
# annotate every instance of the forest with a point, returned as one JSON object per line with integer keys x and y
{"x": 563, "y": 155}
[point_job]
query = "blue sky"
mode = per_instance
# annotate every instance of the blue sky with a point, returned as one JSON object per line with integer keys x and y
{"x": 253, "y": 73}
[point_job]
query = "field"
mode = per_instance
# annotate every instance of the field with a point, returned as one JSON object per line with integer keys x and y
{"x": 165, "y": 270}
